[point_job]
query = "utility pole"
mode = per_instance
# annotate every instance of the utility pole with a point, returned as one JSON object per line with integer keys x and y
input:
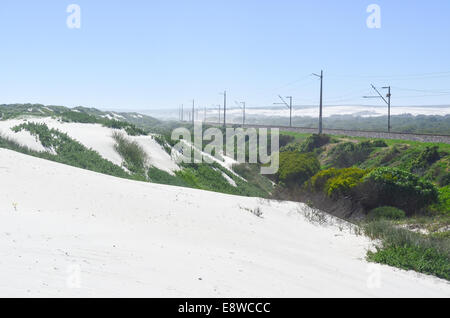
{"x": 389, "y": 107}
{"x": 204, "y": 115}
{"x": 182, "y": 112}
{"x": 243, "y": 111}
{"x": 388, "y": 102}
{"x": 224, "y": 108}
{"x": 288, "y": 106}
{"x": 321, "y": 96}
{"x": 290, "y": 111}
{"x": 193, "y": 113}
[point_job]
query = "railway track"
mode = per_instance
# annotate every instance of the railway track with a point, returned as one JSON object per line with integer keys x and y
{"x": 356, "y": 133}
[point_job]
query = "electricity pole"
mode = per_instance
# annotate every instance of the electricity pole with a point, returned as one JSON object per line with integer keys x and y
{"x": 290, "y": 110}
{"x": 389, "y": 106}
{"x": 321, "y": 95}
{"x": 182, "y": 112}
{"x": 388, "y": 102}
{"x": 288, "y": 106}
{"x": 193, "y": 113}
{"x": 224, "y": 108}
{"x": 243, "y": 111}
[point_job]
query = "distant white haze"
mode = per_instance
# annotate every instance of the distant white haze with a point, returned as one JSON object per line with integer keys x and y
{"x": 306, "y": 111}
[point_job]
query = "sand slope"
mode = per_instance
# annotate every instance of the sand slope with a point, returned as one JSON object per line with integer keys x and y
{"x": 70, "y": 232}
{"x": 93, "y": 136}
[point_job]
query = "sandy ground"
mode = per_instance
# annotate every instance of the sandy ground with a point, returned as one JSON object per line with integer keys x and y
{"x": 93, "y": 136}
{"x": 71, "y": 232}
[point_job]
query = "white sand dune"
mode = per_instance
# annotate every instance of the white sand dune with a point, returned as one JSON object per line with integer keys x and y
{"x": 71, "y": 232}
{"x": 93, "y": 136}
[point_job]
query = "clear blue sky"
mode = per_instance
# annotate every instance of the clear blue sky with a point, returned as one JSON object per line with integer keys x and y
{"x": 159, "y": 54}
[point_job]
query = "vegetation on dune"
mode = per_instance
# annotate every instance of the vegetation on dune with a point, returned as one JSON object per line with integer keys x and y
{"x": 130, "y": 122}
{"x": 210, "y": 177}
{"x": 386, "y": 213}
{"x": 63, "y": 150}
{"x": 156, "y": 175}
{"x": 442, "y": 206}
{"x": 133, "y": 155}
{"x": 380, "y": 187}
{"x": 388, "y": 184}
{"x": 398, "y": 188}
{"x": 296, "y": 168}
{"x": 313, "y": 142}
{"x": 337, "y": 182}
{"x": 347, "y": 154}
{"x": 251, "y": 173}
{"x": 408, "y": 250}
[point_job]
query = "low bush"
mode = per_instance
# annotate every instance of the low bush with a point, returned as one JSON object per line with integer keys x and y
{"x": 444, "y": 180}
{"x": 443, "y": 204}
{"x": 296, "y": 168}
{"x": 386, "y": 212}
{"x": 379, "y": 143}
{"x": 78, "y": 117}
{"x": 134, "y": 157}
{"x": 252, "y": 173}
{"x": 210, "y": 177}
{"x": 285, "y": 139}
{"x": 156, "y": 175}
{"x": 313, "y": 142}
{"x": 425, "y": 159}
{"x": 427, "y": 261}
{"x": 389, "y": 155}
{"x": 347, "y": 154}
{"x": 387, "y": 186}
{"x": 344, "y": 183}
{"x": 337, "y": 182}
{"x": 130, "y": 129}
{"x": 408, "y": 250}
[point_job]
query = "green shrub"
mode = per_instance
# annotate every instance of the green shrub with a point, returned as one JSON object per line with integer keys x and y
{"x": 319, "y": 180}
{"x": 343, "y": 183}
{"x": 427, "y": 261}
{"x": 313, "y": 142}
{"x": 252, "y": 173}
{"x": 379, "y": 143}
{"x": 348, "y": 154}
{"x": 445, "y": 180}
{"x": 78, "y": 117}
{"x": 285, "y": 139}
{"x": 409, "y": 250}
{"x": 156, "y": 175}
{"x": 426, "y": 158}
{"x": 389, "y": 155}
{"x": 443, "y": 204}
{"x": 130, "y": 129}
{"x": 386, "y": 212}
{"x": 387, "y": 186}
{"x": 296, "y": 168}
{"x": 337, "y": 182}
{"x": 135, "y": 158}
